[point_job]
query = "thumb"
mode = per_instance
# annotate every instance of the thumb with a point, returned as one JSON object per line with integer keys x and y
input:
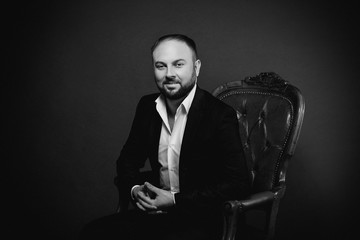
{"x": 150, "y": 187}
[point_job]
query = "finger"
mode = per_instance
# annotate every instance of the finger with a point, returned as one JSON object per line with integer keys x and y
{"x": 144, "y": 198}
{"x": 140, "y": 207}
{"x": 151, "y": 187}
{"x": 146, "y": 205}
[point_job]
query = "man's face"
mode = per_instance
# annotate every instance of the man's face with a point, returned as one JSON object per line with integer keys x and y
{"x": 174, "y": 68}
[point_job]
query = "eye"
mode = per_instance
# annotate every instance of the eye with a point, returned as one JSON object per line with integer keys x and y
{"x": 179, "y": 65}
{"x": 159, "y": 66}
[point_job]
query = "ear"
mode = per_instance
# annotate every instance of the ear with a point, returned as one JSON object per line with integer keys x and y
{"x": 197, "y": 67}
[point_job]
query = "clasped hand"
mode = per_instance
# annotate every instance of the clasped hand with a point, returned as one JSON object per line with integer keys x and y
{"x": 151, "y": 199}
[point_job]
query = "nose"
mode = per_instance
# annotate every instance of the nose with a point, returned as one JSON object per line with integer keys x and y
{"x": 170, "y": 72}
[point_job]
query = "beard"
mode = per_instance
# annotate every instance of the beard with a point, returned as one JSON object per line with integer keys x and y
{"x": 182, "y": 92}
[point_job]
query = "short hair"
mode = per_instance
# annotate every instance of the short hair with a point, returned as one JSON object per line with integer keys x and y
{"x": 179, "y": 37}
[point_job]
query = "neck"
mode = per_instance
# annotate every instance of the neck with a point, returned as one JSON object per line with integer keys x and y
{"x": 172, "y": 105}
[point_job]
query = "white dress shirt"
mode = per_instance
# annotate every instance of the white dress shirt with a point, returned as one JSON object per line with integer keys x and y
{"x": 171, "y": 140}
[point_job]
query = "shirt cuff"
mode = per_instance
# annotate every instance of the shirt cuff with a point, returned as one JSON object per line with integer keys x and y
{"x": 173, "y": 197}
{"x": 131, "y": 192}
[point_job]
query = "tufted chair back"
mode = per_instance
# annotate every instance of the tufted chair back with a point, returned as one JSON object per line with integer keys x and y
{"x": 270, "y": 113}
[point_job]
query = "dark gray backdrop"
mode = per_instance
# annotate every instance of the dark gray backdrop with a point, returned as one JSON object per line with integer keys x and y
{"x": 77, "y": 69}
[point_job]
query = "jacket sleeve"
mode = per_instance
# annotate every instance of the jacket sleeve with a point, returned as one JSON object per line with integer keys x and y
{"x": 134, "y": 153}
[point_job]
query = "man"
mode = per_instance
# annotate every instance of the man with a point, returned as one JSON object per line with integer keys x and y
{"x": 193, "y": 144}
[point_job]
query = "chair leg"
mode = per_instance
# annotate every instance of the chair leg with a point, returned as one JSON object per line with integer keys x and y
{"x": 230, "y": 222}
{"x": 271, "y": 219}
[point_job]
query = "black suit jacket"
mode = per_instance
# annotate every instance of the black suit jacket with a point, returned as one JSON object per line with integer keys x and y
{"x": 212, "y": 165}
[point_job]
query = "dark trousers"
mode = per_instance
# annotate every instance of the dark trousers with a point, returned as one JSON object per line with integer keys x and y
{"x": 136, "y": 225}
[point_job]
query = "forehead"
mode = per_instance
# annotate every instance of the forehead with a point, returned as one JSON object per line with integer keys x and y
{"x": 172, "y": 50}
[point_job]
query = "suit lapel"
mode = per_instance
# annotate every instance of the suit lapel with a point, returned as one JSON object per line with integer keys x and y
{"x": 154, "y": 135}
{"x": 192, "y": 125}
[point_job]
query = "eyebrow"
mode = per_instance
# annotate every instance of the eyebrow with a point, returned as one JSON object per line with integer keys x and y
{"x": 177, "y": 60}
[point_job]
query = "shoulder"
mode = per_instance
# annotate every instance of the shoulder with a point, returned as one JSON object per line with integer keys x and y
{"x": 147, "y": 100}
{"x": 146, "y": 104}
{"x": 212, "y": 103}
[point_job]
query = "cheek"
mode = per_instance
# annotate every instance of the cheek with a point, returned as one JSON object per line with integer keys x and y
{"x": 159, "y": 75}
{"x": 186, "y": 73}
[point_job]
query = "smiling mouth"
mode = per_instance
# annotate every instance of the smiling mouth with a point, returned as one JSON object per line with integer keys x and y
{"x": 171, "y": 84}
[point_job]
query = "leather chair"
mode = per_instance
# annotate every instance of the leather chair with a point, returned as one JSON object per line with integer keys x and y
{"x": 270, "y": 112}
